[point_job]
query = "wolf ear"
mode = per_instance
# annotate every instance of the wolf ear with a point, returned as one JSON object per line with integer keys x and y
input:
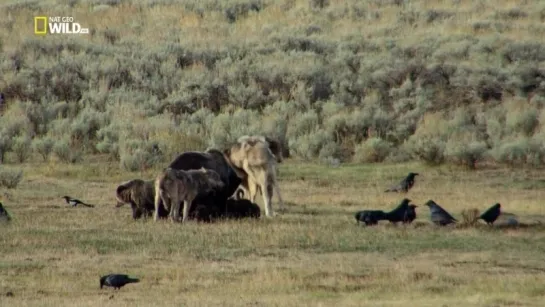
{"x": 246, "y": 145}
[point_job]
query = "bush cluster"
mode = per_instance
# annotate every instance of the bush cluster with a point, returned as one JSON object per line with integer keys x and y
{"x": 368, "y": 94}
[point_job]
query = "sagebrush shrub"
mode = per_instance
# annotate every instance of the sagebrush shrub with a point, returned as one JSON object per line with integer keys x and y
{"x": 464, "y": 148}
{"x": 65, "y": 153}
{"x": 304, "y": 124}
{"x": 330, "y": 150}
{"x": 139, "y": 160}
{"x": 429, "y": 140}
{"x": 318, "y": 4}
{"x": 5, "y": 146}
{"x": 84, "y": 128}
{"x": 535, "y": 153}
{"x": 10, "y": 179}
{"x": 520, "y": 151}
{"x": 372, "y": 150}
{"x": 521, "y": 118}
{"x": 139, "y": 155}
{"x": 22, "y": 148}
{"x": 308, "y": 146}
{"x": 43, "y": 147}
{"x": 426, "y": 148}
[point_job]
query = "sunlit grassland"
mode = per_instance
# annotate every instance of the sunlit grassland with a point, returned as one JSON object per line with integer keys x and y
{"x": 312, "y": 254}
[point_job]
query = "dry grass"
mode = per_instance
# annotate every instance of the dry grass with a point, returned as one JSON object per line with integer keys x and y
{"x": 470, "y": 216}
{"x": 312, "y": 255}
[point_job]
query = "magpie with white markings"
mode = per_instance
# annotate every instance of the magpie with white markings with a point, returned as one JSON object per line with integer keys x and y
{"x": 75, "y": 202}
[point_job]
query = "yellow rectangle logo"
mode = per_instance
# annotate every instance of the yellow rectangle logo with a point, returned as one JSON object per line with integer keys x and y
{"x": 37, "y": 21}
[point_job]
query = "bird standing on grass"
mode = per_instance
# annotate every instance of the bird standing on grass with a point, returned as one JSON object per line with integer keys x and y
{"x": 491, "y": 215}
{"x": 411, "y": 214}
{"x": 399, "y": 213}
{"x": 116, "y": 281}
{"x": 405, "y": 185}
{"x": 74, "y": 202}
{"x": 370, "y": 217}
{"x": 439, "y": 215}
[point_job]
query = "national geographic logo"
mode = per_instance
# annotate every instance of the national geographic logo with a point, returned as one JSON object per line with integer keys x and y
{"x": 57, "y": 25}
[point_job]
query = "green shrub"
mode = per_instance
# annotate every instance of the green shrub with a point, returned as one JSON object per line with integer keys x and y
{"x": 318, "y": 4}
{"x": 139, "y": 155}
{"x": 22, "y": 148}
{"x": 464, "y": 148}
{"x": 304, "y": 124}
{"x": 60, "y": 128}
{"x": 329, "y": 151}
{"x": 398, "y": 155}
{"x": 227, "y": 128}
{"x": 139, "y": 160}
{"x": 43, "y": 147}
{"x": 337, "y": 126}
{"x": 495, "y": 129}
{"x": 372, "y": 150}
{"x": 174, "y": 143}
{"x": 524, "y": 120}
{"x": 427, "y": 149}
{"x": 65, "y": 153}
{"x": 5, "y": 145}
{"x": 309, "y": 146}
{"x": 84, "y": 128}
{"x": 519, "y": 152}
{"x": 108, "y": 138}
{"x": 429, "y": 140}
{"x": 10, "y": 179}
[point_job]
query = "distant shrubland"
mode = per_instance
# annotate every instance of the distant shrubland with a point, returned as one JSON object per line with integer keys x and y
{"x": 368, "y": 81}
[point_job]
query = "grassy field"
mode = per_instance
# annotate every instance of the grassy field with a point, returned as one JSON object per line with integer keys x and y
{"x": 313, "y": 254}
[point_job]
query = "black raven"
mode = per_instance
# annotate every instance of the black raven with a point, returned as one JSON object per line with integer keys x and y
{"x": 405, "y": 185}
{"x": 74, "y": 202}
{"x": 399, "y": 214}
{"x": 438, "y": 215}
{"x": 116, "y": 280}
{"x": 370, "y": 217}
{"x": 411, "y": 214}
{"x": 490, "y": 215}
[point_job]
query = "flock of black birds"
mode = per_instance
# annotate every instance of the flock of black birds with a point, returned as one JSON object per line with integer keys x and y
{"x": 406, "y": 212}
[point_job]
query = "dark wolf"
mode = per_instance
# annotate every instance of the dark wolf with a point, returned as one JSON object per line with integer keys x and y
{"x": 175, "y": 186}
